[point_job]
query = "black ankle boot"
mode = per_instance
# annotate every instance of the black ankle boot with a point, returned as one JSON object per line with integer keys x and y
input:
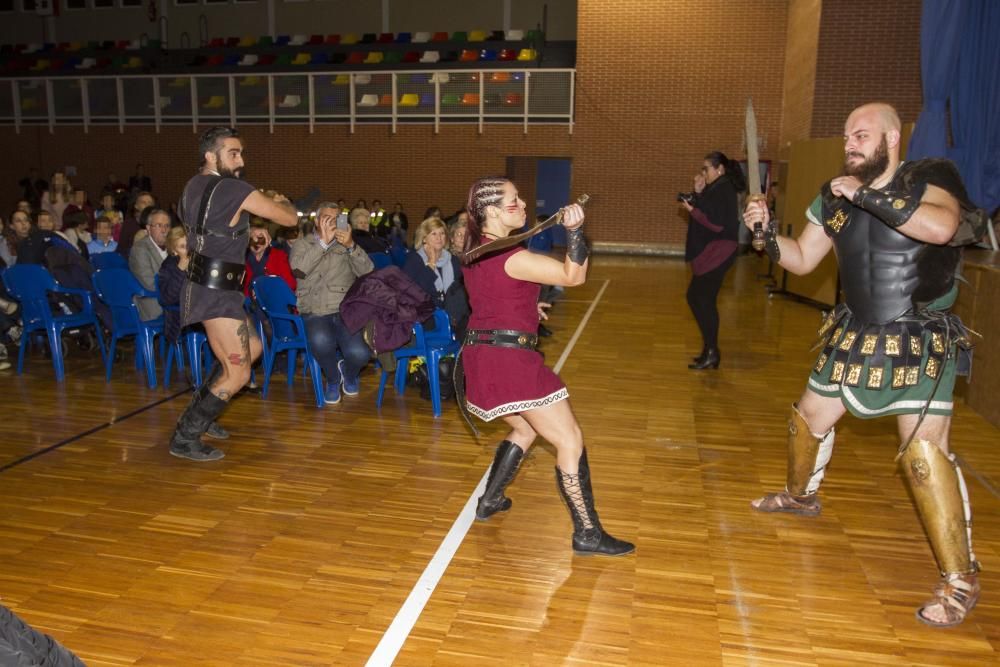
{"x": 701, "y": 357}
{"x": 711, "y": 360}
{"x": 588, "y": 535}
{"x": 186, "y": 443}
{"x": 505, "y": 464}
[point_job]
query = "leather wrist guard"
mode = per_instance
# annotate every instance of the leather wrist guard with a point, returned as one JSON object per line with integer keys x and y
{"x": 576, "y": 246}
{"x": 892, "y": 208}
{"x": 771, "y": 242}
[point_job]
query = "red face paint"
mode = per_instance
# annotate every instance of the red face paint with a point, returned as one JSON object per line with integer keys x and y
{"x": 513, "y": 208}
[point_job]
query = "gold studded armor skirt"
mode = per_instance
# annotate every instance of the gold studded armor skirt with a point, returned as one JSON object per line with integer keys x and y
{"x": 894, "y": 368}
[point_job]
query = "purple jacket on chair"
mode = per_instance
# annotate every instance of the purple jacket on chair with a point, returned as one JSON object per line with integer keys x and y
{"x": 392, "y": 301}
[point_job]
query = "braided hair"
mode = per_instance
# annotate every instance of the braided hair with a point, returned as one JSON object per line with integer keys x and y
{"x": 483, "y": 193}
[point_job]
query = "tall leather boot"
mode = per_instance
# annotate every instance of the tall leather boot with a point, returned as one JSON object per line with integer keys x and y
{"x": 588, "y": 535}
{"x": 506, "y": 461}
{"x": 186, "y": 442}
{"x": 214, "y": 429}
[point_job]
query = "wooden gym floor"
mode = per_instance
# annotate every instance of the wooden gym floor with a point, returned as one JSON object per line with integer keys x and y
{"x": 300, "y": 547}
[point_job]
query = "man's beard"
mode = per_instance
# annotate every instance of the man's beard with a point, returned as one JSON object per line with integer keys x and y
{"x": 870, "y": 168}
{"x": 226, "y": 171}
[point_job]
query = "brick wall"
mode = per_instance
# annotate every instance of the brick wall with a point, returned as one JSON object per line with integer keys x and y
{"x": 659, "y": 85}
{"x": 867, "y": 51}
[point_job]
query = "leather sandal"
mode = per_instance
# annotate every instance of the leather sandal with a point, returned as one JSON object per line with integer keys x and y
{"x": 783, "y": 501}
{"x": 957, "y": 594}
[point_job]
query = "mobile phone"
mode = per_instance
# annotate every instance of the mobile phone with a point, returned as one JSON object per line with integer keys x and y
{"x": 342, "y": 222}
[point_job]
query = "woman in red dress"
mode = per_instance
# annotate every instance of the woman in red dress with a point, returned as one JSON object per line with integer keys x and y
{"x": 505, "y": 375}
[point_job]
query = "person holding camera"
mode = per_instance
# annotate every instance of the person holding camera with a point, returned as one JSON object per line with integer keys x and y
{"x": 326, "y": 264}
{"x": 712, "y": 240}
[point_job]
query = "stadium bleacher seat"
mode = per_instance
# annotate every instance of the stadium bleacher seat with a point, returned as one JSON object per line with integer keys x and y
{"x": 470, "y": 99}
{"x": 133, "y": 62}
{"x": 356, "y": 58}
{"x": 164, "y": 102}
{"x": 386, "y": 38}
{"x": 341, "y": 80}
{"x": 374, "y": 58}
{"x": 282, "y": 40}
{"x": 247, "y": 41}
{"x": 409, "y": 100}
{"x": 449, "y": 57}
{"x": 392, "y": 57}
{"x": 513, "y": 99}
{"x": 385, "y": 100}
{"x": 265, "y": 41}
{"x": 533, "y": 35}
{"x": 216, "y": 43}
{"x": 266, "y": 59}
{"x": 86, "y": 63}
{"x": 214, "y": 102}
{"x": 527, "y": 55}
{"x": 430, "y": 57}
{"x": 439, "y": 77}
{"x": 500, "y": 77}
{"x": 514, "y": 35}
{"x": 451, "y": 99}
{"x": 468, "y": 56}
{"x": 251, "y": 81}
{"x": 487, "y": 55}
{"x": 362, "y": 79}
{"x": 301, "y": 59}
{"x": 290, "y": 101}
{"x": 368, "y": 38}
{"x": 332, "y": 40}
{"x": 440, "y": 37}
{"x": 248, "y": 60}
{"x": 350, "y": 38}
{"x": 298, "y": 40}
{"x": 316, "y": 40}
{"x": 404, "y": 38}
{"x": 459, "y": 36}
{"x": 231, "y": 60}
{"x": 421, "y": 37}
{"x": 319, "y": 58}
{"x": 411, "y": 57}
{"x": 426, "y": 100}
{"x": 368, "y": 100}
{"x": 506, "y": 55}
{"x": 478, "y": 35}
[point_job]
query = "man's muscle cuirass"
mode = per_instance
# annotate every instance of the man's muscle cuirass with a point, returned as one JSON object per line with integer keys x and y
{"x": 884, "y": 273}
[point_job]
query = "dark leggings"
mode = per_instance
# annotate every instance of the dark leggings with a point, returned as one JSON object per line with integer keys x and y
{"x": 701, "y": 297}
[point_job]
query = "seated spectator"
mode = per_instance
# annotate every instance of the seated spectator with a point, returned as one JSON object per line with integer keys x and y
{"x": 45, "y": 222}
{"x": 326, "y": 264}
{"x": 457, "y": 232}
{"x": 8, "y": 243}
{"x": 173, "y": 276}
{"x": 361, "y": 231}
{"x": 57, "y": 197}
{"x": 80, "y": 203}
{"x": 145, "y": 259}
{"x": 75, "y": 230}
{"x": 439, "y": 273}
{"x": 24, "y": 205}
{"x": 32, "y": 242}
{"x": 399, "y": 224}
{"x": 432, "y": 212}
{"x": 379, "y": 224}
{"x": 134, "y": 222}
{"x": 107, "y": 205}
{"x": 102, "y": 241}
{"x": 265, "y": 260}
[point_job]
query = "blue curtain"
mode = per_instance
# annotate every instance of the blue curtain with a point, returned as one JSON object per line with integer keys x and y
{"x": 960, "y": 66}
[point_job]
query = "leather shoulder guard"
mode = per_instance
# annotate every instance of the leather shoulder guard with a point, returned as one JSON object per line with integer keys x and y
{"x": 944, "y": 174}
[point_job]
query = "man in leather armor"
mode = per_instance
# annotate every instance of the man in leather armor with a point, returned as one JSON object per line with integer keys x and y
{"x": 215, "y": 206}
{"x": 893, "y": 347}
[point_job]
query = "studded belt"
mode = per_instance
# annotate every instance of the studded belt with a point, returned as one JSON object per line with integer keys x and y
{"x": 215, "y": 273}
{"x": 502, "y": 338}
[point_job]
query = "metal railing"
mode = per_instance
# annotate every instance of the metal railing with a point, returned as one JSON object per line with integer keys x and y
{"x": 483, "y": 97}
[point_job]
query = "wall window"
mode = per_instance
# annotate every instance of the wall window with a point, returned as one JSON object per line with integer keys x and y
{"x": 70, "y": 5}
{"x": 185, "y": 2}
{"x": 104, "y": 4}
{"x": 131, "y": 3}
{"x": 6, "y": 5}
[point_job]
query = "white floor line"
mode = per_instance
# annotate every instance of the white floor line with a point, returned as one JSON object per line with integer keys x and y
{"x": 397, "y": 632}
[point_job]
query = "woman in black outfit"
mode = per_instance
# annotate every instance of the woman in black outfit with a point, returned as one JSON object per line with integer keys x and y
{"x": 712, "y": 239}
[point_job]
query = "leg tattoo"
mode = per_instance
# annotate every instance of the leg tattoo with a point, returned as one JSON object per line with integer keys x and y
{"x": 243, "y": 331}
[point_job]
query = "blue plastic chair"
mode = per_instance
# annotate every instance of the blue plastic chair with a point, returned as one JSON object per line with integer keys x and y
{"x": 431, "y": 346}
{"x": 31, "y": 285}
{"x": 193, "y": 344}
{"x": 108, "y": 260}
{"x": 380, "y": 260}
{"x": 116, "y": 288}
{"x": 398, "y": 252}
{"x": 288, "y": 333}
